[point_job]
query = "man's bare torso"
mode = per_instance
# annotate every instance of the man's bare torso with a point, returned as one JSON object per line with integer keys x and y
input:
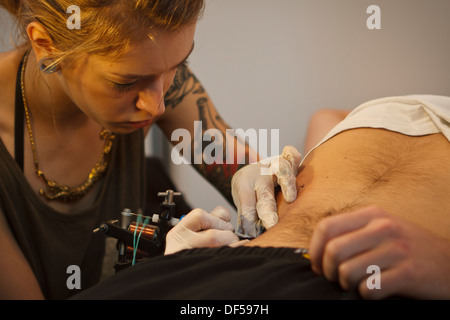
{"x": 407, "y": 176}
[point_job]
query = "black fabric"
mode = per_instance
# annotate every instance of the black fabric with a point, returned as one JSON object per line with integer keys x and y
{"x": 243, "y": 273}
{"x": 50, "y": 240}
{"x": 18, "y": 122}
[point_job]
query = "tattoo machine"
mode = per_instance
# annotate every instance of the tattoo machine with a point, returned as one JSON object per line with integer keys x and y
{"x": 138, "y": 240}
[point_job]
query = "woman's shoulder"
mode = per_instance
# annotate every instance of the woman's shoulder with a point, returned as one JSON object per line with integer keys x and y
{"x": 9, "y": 62}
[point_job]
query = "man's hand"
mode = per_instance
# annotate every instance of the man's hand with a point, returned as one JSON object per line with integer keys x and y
{"x": 414, "y": 263}
{"x": 253, "y": 191}
{"x": 201, "y": 229}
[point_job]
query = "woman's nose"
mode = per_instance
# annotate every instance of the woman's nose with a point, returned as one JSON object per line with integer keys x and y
{"x": 151, "y": 98}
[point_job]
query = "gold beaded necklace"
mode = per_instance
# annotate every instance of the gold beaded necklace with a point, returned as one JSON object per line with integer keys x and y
{"x": 56, "y": 191}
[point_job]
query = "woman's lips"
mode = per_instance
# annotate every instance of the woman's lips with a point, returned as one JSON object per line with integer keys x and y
{"x": 140, "y": 124}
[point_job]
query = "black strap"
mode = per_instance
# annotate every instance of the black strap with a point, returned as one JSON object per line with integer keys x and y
{"x": 19, "y": 119}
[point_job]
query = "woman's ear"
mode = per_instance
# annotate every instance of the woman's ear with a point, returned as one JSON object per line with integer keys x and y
{"x": 41, "y": 41}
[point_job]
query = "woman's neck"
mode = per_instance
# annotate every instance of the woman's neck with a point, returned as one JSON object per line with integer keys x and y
{"x": 47, "y": 100}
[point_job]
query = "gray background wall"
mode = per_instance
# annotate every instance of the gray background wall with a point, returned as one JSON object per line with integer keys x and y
{"x": 270, "y": 64}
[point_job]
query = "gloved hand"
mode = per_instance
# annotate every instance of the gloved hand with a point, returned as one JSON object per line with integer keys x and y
{"x": 253, "y": 191}
{"x": 201, "y": 229}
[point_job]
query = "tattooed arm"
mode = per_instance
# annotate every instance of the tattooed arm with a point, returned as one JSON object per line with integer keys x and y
{"x": 215, "y": 154}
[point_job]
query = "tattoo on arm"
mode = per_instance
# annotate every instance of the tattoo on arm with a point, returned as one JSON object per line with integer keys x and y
{"x": 219, "y": 174}
{"x": 206, "y": 117}
{"x": 183, "y": 84}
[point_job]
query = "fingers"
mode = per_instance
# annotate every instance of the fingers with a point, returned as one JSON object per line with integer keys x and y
{"x": 216, "y": 238}
{"x": 347, "y": 247}
{"x": 286, "y": 178}
{"x": 343, "y": 248}
{"x": 248, "y": 204}
{"x": 198, "y": 220}
{"x": 244, "y": 197}
{"x": 253, "y": 190}
{"x": 216, "y": 229}
{"x": 221, "y": 213}
{"x": 335, "y": 226}
{"x": 245, "y": 200}
{"x": 293, "y": 156}
{"x": 201, "y": 229}
{"x": 266, "y": 205}
{"x": 353, "y": 271}
{"x": 238, "y": 243}
{"x": 286, "y": 170}
{"x": 392, "y": 282}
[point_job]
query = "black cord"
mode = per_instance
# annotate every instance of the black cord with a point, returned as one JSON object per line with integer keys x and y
{"x": 19, "y": 120}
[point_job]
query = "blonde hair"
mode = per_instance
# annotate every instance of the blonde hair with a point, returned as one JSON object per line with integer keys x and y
{"x": 108, "y": 27}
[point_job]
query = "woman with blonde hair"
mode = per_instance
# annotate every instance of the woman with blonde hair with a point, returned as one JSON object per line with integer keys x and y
{"x": 75, "y": 106}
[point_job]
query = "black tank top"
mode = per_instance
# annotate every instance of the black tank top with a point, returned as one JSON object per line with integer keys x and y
{"x": 52, "y": 241}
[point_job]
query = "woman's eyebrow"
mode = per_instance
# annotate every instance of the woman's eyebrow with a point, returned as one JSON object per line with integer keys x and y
{"x": 137, "y": 76}
{"x": 185, "y": 59}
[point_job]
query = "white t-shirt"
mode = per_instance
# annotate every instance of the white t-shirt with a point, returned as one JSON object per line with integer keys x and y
{"x": 415, "y": 115}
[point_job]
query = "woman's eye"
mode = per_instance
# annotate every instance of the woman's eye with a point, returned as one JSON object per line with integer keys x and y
{"x": 184, "y": 65}
{"x": 123, "y": 87}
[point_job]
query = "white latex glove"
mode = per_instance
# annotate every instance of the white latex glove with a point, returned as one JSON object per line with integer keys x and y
{"x": 253, "y": 191}
{"x": 201, "y": 229}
